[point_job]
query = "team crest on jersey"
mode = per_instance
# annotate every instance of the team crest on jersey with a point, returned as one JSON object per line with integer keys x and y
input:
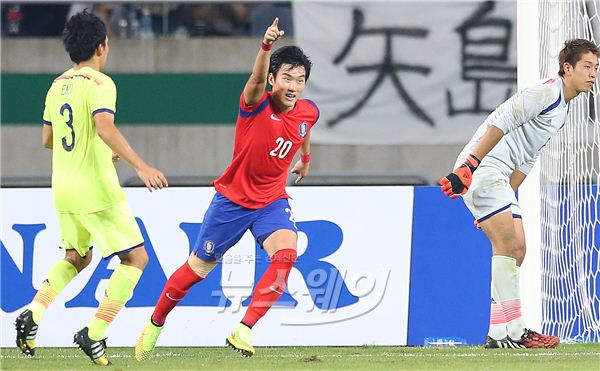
{"x": 303, "y": 129}
{"x": 209, "y": 247}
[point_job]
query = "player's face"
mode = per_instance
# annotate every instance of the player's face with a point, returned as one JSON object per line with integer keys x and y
{"x": 288, "y": 85}
{"x": 585, "y": 72}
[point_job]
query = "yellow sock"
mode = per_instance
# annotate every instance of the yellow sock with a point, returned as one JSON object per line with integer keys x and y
{"x": 57, "y": 279}
{"x": 118, "y": 291}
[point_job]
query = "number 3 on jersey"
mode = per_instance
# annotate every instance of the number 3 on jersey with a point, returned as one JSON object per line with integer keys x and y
{"x": 68, "y": 147}
{"x": 282, "y": 149}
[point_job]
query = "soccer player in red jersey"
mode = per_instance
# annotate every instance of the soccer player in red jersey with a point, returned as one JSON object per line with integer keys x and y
{"x": 271, "y": 127}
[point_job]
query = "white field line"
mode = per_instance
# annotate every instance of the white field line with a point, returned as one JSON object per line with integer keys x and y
{"x": 367, "y": 355}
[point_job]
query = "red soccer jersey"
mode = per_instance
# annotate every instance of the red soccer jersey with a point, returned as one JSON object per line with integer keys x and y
{"x": 266, "y": 141}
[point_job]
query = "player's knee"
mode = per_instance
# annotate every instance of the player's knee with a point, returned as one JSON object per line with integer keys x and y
{"x": 282, "y": 238}
{"x": 141, "y": 258}
{"x": 78, "y": 261}
{"x": 507, "y": 247}
{"x": 520, "y": 252}
{"x": 137, "y": 257}
{"x": 200, "y": 267}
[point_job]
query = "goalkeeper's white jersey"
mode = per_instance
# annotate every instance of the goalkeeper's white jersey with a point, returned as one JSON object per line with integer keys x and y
{"x": 528, "y": 119}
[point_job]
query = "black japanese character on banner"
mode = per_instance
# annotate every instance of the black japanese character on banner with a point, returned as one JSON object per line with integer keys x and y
{"x": 485, "y": 52}
{"x": 386, "y": 68}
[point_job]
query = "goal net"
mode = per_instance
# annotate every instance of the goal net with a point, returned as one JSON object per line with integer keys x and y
{"x": 569, "y": 178}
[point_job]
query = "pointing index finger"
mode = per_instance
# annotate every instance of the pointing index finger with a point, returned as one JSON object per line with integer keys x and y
{"x": 275, "y": 22}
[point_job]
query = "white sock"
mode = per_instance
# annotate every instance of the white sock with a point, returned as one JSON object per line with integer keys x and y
{"x": 497, "y": 328}
{"x": 505, "y": 280}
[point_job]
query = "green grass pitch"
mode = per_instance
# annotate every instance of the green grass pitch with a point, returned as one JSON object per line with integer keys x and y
{"x": 565, "y": 357}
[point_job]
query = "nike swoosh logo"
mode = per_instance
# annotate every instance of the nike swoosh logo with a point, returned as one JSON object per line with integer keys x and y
{"x": 273, "y": 288}
{"x": 273, "y": 117}
{"x": 169, "y": 296}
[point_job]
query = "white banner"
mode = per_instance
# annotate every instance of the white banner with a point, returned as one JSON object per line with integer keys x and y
{"x": 342, "y": 291}
{"x": 400, "y": 72}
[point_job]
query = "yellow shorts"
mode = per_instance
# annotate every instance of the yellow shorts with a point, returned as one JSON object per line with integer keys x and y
{"x": 113, "y": 231}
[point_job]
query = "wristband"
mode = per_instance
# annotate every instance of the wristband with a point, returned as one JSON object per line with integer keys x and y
{"x": 472, "y": 162}
{"x": 305, "y": 158}
{"x": 266, "y": 47}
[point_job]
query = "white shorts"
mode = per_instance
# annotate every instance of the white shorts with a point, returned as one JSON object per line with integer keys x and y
{"x": 490, "y": 194}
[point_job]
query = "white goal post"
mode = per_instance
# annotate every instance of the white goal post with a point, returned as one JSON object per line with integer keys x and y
{"x": 560, "y": 277}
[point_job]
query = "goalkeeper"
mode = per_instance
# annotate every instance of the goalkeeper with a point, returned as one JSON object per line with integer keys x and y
{"x": 495, "y": 162}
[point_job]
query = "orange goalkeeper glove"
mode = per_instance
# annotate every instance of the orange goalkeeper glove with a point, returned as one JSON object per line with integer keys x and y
{"x": 458, "y": 182}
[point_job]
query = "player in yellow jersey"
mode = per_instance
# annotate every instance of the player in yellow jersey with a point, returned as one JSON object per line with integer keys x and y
{"x": 79, "y": 128}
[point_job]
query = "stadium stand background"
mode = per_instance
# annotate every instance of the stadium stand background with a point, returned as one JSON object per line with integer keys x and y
{"x": 177, "y": 95}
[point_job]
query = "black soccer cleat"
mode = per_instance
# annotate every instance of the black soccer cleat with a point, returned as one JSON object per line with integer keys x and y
{"x": 505, "y": 343}
{"x": 95, "y": 349}
{"x": 26, "y": 332}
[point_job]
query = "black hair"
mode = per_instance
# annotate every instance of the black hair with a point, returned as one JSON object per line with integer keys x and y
{"x": 572, "y": 52}
{"x": 291, "y": 55}
{"x": 82, "y": 35}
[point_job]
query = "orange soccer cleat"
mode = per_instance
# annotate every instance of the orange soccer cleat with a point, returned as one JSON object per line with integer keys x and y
{"x": 532, "y": 339}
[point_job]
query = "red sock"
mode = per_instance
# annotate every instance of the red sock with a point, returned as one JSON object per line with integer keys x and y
{"x": 271, "y": 286}
{"x": 175, "y": 289}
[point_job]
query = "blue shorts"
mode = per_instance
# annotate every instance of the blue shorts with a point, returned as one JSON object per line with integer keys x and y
{"x": 226, "y": 222}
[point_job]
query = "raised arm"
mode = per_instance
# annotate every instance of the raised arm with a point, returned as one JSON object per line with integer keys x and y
{"x": 108, "y": 132}
{"x": 255, "y": 87}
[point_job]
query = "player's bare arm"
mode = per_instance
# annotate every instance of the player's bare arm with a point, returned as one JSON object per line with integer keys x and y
{"x": 517, "y": 111}
{"x": 488, "y": 141}
{"x": 301, "y": 167}
{"x": 516, "y": 179}
{"x": 458, "y": 182}
{"x": 152, "y": 178}
{"x": 47, "y": 136}
{"x": 255, "y": 87}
